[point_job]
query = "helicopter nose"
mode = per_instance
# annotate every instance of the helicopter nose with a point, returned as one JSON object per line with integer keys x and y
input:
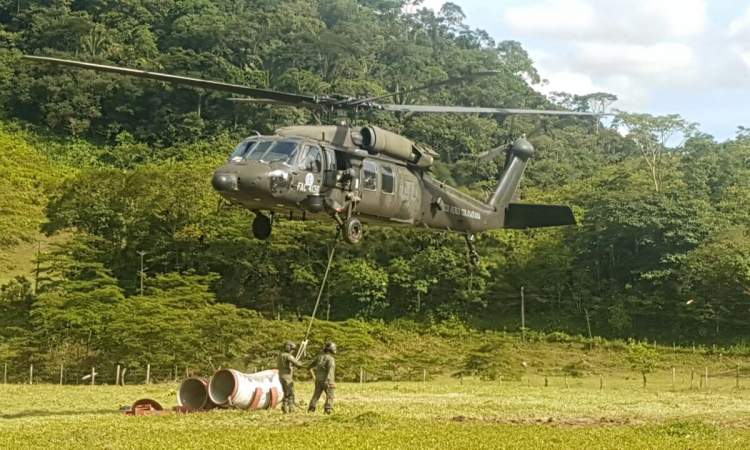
{"x": 223, "y": 182}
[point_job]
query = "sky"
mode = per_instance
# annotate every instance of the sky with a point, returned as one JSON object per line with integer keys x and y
{"x": 687, "y": 57}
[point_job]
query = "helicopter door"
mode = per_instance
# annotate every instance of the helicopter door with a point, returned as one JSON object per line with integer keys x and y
{"x": 310, "y": 169}
{"x": 370, "y": 203}
{"x": 405, "y": 199}
{"x": 329, "y": 180}
{"x": 409, "y": 196}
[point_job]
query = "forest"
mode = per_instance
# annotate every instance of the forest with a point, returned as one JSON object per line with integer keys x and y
{"x": 119, "y": 166}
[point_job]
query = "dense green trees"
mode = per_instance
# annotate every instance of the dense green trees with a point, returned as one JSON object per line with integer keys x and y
{"x": 662, "y": 249}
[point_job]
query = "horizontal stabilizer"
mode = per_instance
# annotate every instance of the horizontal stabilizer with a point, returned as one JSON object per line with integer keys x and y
{"x": 520, "y": 216}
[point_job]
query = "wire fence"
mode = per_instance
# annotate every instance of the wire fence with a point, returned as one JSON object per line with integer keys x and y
{"x": 711, "y": 362}
{"x": 104, "y": 375}
{"x": 680, "y": 377}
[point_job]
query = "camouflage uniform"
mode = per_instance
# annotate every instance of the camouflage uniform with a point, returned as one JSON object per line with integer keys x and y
{"x": 286, "y": 363}
{"x": 325, "y": 377}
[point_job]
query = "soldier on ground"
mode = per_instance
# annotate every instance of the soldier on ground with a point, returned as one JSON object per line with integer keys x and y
{"x": 285, "y": 363}
{"x": 325, "y": 375}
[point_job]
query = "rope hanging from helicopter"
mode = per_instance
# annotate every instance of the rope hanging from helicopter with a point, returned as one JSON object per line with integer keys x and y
{"x": 303, "y": 345}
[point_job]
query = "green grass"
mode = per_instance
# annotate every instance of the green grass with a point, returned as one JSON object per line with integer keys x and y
{"x": 438, "y": 414}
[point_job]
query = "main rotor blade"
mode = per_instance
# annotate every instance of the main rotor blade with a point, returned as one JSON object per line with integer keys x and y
{"x": 449, "y": 81}
{"x": 263, "y": 101}
{"x": 194, "y": 82}
{"x": 490, "y": 155}
{"x": 479, "y": 110}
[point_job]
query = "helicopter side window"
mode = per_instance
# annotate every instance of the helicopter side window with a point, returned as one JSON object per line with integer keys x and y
{"x": 312, "y": 161}
{"x": 257, "y": 153}
{"x": 386, "y": 179}
{"x": 283, "y": 151}
{"x": 370, "y": 171}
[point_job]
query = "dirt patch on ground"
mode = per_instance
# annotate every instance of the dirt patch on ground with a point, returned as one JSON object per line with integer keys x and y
{"x": 566, "y": 422}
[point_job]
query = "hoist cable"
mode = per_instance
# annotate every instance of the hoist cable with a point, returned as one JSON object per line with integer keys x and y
{"x": 322, "y": 285}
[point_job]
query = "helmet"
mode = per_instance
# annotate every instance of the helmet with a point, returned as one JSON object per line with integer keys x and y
{"x": 289, "y": 346}
{"x": 330, "y": 348}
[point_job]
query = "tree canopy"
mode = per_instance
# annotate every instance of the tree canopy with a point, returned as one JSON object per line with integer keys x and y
{"x": 662, "y": 248}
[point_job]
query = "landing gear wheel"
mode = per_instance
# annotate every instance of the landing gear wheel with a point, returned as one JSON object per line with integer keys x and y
{"x": 262, "y": 227}
{"x": 352, "y": 230}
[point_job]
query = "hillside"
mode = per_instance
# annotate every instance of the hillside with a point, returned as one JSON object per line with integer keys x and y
{"x": 26, "y": 174}
{"x": 119, "y": 166}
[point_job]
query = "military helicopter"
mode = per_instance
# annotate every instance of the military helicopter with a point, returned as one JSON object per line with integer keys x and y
{"x": 364, "y": 175}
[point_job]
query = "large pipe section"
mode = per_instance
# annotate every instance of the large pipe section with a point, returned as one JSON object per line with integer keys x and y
{"x": 193, "y": 393}
{"x": 231, "y": 388}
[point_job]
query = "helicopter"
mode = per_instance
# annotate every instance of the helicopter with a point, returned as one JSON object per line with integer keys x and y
{"x": 360, "y": 175}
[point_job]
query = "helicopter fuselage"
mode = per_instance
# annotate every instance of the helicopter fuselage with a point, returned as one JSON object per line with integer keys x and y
{"x": 295, "y": 174}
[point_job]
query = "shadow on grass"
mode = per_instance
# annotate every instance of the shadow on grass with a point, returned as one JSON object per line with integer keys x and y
{"x": 46, "y": 413}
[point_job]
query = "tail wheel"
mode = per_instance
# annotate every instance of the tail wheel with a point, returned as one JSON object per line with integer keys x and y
{"x": 474, "y": 258}
{"x": 262, "y": 227}
{"x": 352, "y": 230}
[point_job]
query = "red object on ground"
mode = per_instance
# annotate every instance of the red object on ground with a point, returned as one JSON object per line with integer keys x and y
{"x": 146, "y": 407}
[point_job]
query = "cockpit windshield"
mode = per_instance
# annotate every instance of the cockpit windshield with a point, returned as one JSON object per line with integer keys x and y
{"x": 243, "y": 149}
{"x": 259, "y": 151}
{"x": 283, "y": 151}
{"x": 269, "y": 151}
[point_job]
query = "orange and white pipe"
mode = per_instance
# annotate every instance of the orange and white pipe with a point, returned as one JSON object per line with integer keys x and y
{"x": 193, "y": 393}
{"x": 250, "y": 391}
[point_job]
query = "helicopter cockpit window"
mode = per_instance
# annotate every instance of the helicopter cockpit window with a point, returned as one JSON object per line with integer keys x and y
{"x": 312, "y": 161}
{"x": 386, "y": 179}
{"x": 370, "y": 181}
{"x": 242, "y": 150}
{"x": 283, "y": 152}
{"x": 259, "y": 150}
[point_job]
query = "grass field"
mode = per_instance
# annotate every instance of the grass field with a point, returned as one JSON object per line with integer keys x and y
{"x": 438, "y": 414}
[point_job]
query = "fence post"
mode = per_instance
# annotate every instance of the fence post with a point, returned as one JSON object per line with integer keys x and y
{"x": 738, "y": 376}
{"x": 601, "y": 382}
{"x": 361, "y": 375}
{"x": 31, "y": 374}
{"x": 187, "y": 372}
{"x": 117, "y": 379}
{"x": 122, "y": 377}
{"x": 692, "y": 377}
{"x": 93, "y": 376}
{"x": 148, "y": 373}
{"x": 61, "y": 374}
{"x": 706, "y": 377}
{"x": 5, "y": 374}
{"x": 546, "y": 382}
{"x": 674, "y": 387}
